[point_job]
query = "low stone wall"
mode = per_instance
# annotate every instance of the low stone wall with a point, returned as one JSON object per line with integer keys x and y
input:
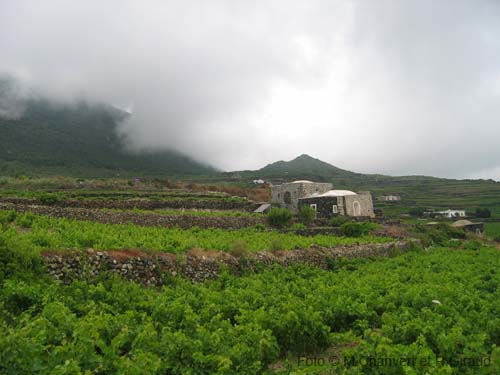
{"x": 154, "y": 269}
{"x": 314, "y": 231}
{"x": 156, "y": 220}
{"x": 125, "y": 204}
{"x": 145, "y": 194}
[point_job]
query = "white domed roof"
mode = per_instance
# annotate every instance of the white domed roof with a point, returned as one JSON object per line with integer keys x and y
{"x": 337, "y": 193}
{"x": 302, "y": 182}
{"x": 461, "y": 223}
{"x": 333, "y": 193}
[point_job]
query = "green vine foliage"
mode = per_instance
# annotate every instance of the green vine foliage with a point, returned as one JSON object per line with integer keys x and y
{"x": 442, "y": 306}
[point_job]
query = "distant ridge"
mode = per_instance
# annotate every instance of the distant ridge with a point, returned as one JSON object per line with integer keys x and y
{"x": 302, "y": 167}
{"x": 77, "y": 140}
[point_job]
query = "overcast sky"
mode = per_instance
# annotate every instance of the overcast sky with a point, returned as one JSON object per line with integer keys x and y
{"x": 394, "y": 87}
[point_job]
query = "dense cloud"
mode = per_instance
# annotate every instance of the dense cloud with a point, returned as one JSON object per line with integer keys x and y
{"x": 398, "y": 87}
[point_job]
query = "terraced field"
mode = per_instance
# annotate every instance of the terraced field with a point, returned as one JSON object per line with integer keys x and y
{"x": 438, "y": 194}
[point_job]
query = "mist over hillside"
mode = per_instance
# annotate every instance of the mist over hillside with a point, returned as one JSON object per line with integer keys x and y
{"x": 39, "y": 137}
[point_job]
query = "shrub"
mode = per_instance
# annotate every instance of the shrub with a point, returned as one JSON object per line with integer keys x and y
{"x": 472, "y": 245}
{"x": 337, "y": 221}
{"x": 19, "y": 263}
{"x": 306, "y": 215}
{"x": 354, "y": 229}
{"x": 439, "y": 234}
{"x": 239, "y": 249}
{"x": 7, "y": 216}
{"x": 279, "y": 217}
{"x": 276, "y": 244}
{"x": 483, "y": 213}
{"x": 48, "y": 199}
{"x": 259, "y": 227}
{"x": 25, "y": 220}
{"x": 298, "y": 226}
{"x": 417, "y": 211}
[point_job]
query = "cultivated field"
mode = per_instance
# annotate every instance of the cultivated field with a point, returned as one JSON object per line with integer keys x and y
{"x": 344, "y": 298}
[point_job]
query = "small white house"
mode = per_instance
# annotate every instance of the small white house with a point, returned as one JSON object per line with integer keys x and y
{"x": 450, "y": 214}
{"x": 389, "y": 198}
{"x": 259, "y": 182}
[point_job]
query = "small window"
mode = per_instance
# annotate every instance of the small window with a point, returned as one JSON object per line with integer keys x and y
{"x": 335, "y": 209}
{"x": 314, "y": 206}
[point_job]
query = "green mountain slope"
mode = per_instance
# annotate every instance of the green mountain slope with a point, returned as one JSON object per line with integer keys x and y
{"x": 79, "y": 140}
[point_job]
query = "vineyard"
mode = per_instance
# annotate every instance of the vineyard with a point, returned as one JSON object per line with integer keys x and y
{"x": 432, "y": 309}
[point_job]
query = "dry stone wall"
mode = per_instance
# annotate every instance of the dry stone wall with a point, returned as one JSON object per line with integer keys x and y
{"x": 208, "y": 204}
{"x": 154, "y": 269}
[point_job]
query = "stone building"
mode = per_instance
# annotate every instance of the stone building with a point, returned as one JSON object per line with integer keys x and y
{"x": 287, "y": 195}
{"x": 322, "y": 198}
{"x": 340, "y": 203}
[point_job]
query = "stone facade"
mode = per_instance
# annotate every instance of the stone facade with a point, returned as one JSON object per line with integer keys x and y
{"x": 356, "y": 205}
{"x": 359, "y": 205}
{"x": 324, "y": 205}
{"x": 287, "y": 195}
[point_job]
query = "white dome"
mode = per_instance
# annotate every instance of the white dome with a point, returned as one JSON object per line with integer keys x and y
{"x": 302, "y": 182}
{"x": 334, "y": 193}
{"x": 461, "y": 223}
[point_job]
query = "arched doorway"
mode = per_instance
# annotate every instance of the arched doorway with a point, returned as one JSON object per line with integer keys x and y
{"x": 288, "y": 197}
{"x": 356, "y": 208}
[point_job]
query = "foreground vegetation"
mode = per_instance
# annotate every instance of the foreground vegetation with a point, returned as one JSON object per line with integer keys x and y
{"x": 441, "y": 308}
